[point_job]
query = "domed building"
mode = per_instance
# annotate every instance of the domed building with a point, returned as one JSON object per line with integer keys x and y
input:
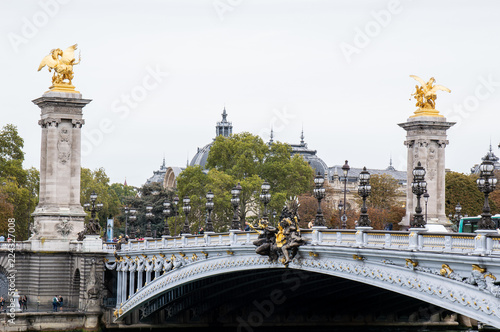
{"x": 158, "y": 175}
{"x": 316, "y": 163}
{"x": 223, "y": 128}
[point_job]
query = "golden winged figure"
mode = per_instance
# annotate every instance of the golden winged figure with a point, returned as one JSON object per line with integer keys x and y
{"x": 426, "y": 93}
{"x": 62, "y": 63}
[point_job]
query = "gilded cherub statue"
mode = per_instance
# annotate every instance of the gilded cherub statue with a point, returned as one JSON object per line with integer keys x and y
{"x": 62, "y": 63}
{"x": 426, "y": 93}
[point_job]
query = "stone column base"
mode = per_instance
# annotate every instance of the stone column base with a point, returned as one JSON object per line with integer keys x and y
{"x": 92, "y": 243}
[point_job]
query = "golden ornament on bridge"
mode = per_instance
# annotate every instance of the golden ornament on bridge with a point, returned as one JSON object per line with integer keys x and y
{"x": 62, "y": 63}
{"x": 426, "y": 97}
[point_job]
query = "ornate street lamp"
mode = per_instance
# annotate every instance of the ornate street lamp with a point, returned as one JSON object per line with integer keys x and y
{"x": 167, "y": 211}
{"x": 210, "y": 206}
{"x": 340, "y": 206}
{"x": 457, "y": 216}
{"x": 345, "y": 170}
{"x": 133, "y": 218}
{"x": 126, "y": 210}
{"x": 426, "y": 199}
{"x": 175, "y": 212}
{"x": 235, "y": 201}
{"x": 186, "y": 207}
{"x": 418, "y": 187}
{"x": 265, "y": 198}
{"x": 319, "y": 193}
{"x": 149, "y": 217}
{"x": 93, "y": 227}
{"x": 486, "y": 184}
{"x": 364, "y": 190}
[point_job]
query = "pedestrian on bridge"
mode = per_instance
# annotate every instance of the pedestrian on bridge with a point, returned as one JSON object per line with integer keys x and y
{"x": 61, "y": 301}
{"x": 55, "y": 303}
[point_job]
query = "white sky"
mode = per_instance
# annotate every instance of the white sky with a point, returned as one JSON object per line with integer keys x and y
{"x": 270, "y": 62}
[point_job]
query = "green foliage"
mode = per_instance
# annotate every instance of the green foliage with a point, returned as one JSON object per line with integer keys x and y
{"x": 461, "y": 188}
{"x": 98, "y": 181}
{"x": 243, "y": 158}
{"x": 18, "y": 186}
{"x": 123, "y": 192}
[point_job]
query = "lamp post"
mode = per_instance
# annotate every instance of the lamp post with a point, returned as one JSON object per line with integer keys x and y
{"x": 274, "y": 217}
{"x": 210, "y": 206}
{"x": 93, "y": 227}
{"x": 149, "y": 216}
{"x": 319, "y": 193}
{"x": 175, "y": 212}
{"x": 486, "y": 184}
{"x": 345, "y": 170}
{"x": 426, "y": 199}
{"x": 235, "y": 201}
{"x": 457, "y": 216}
{"x": 340, "y": 206}
{"x": 364, "y": 190}
{"x": 186, "y": 207}
{"x": 133, "y": 218}
{"x": 265, "y": 198}
{"x": 167, "y": 212}
{"x": 418, "y": 187}
{"x": 126, "y": 210}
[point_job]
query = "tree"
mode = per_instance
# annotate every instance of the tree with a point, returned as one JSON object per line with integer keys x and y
{"x": 192, "y": 182}
{"x": 244, "y": 158}
{"x": 18, "y": 187}
{"x": 384, "y": 191}
{"x": 461, "y": 188}
{"x": 98, "y": 181}
{"x": 122, "y": 191}
{"x": 381, "y": 217}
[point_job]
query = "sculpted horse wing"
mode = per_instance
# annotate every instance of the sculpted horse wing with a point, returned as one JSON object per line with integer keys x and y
{"x": 68, "y": 56}
{"x": 439, "y": 87}
{"x": 48, "y": 61}
{"x": 419, "y": 80}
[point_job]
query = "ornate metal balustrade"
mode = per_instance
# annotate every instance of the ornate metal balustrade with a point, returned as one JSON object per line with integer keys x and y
{"x": 419, "y": 241}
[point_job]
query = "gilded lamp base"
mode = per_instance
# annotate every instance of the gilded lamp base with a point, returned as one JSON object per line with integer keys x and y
{"x": 63, "y": 87}
{"x": 426, "y": 112}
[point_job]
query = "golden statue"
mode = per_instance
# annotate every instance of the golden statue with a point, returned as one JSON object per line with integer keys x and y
{"x": 62, "y": 63}
{"x": 426, "y": 97}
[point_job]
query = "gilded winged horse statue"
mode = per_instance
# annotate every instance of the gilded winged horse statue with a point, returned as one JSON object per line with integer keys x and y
{"x": 426, "y": 93}
{"x": 62, "y": 63}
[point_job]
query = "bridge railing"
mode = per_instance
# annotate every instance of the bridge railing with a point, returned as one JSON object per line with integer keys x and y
{"x": 417, "y": 240}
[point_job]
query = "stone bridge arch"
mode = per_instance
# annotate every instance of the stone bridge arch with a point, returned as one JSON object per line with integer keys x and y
{"x": 446, "y": 289}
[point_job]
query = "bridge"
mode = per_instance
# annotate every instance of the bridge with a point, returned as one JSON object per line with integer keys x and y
{"x": 453, "y": 271}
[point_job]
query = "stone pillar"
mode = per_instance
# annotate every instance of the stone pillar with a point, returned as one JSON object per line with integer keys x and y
{"x": 131, "y": 289}
{"x": 139, "y": 279}
{"x": 124, "y": 286}
{"x": 426, "y": 142}
{"x": 59, "y": 214}
{"x": 118, "y": 287}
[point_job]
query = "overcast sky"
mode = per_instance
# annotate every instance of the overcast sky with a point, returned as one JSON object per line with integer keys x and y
{"x": 160, "y": 72}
